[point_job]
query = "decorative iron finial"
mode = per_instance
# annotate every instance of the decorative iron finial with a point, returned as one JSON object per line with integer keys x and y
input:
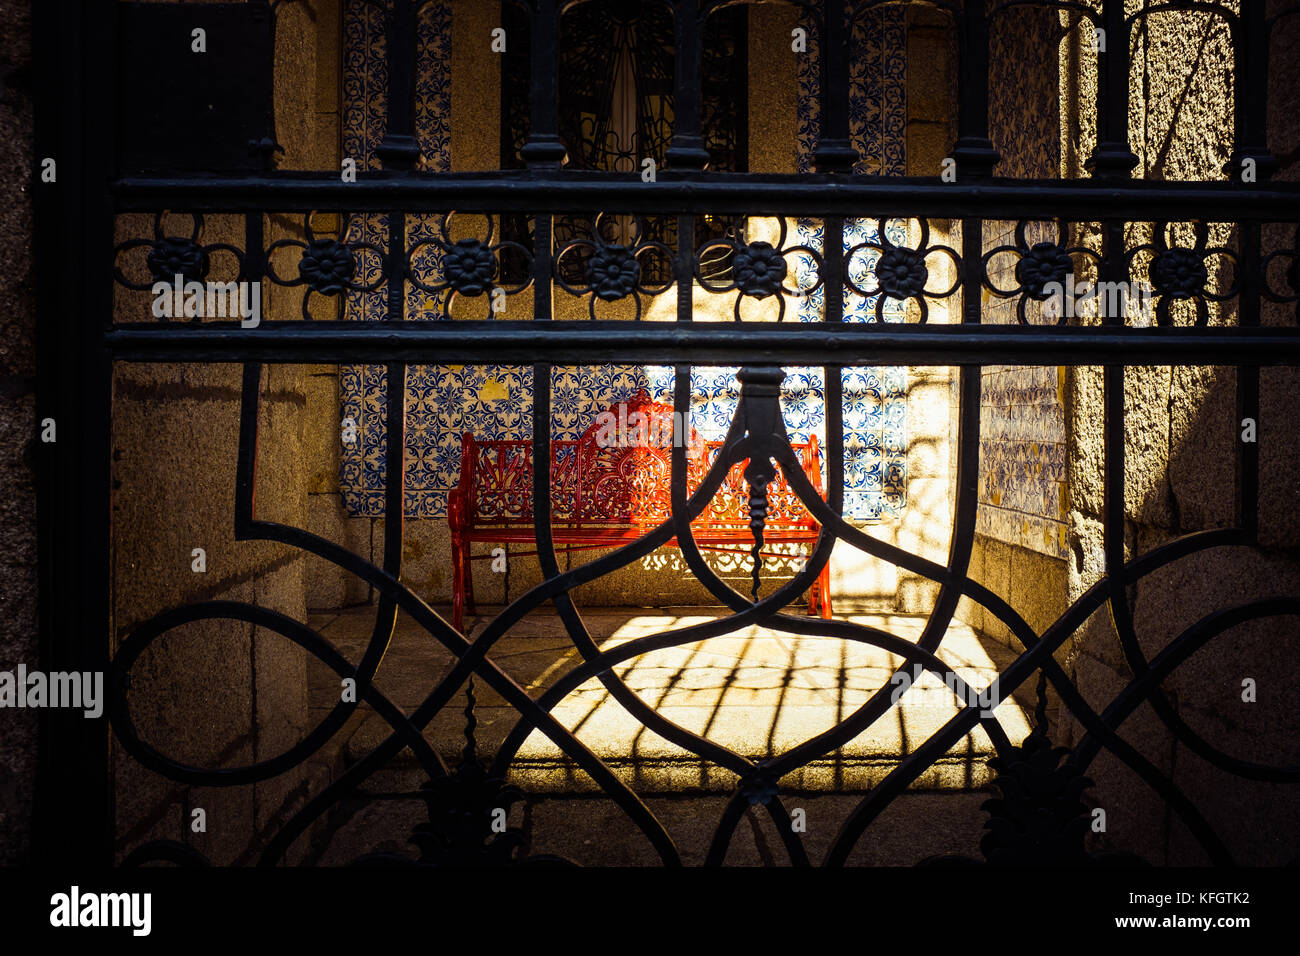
{"x": 758, "y": 785}
{"x": 760, "y": 404}
{"x": 467, "y": 814}
{"x": 758, "y": 474}
{"x": 1040, "y": 709}
{"x": 469, "y": 757}
{"x": 1040, "y": 817}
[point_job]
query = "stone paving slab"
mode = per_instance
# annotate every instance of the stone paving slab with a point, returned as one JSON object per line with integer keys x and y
{"x": 756, "y": 691}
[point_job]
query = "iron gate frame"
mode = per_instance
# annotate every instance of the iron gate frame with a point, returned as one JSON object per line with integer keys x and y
{"x": 79, "y": 344}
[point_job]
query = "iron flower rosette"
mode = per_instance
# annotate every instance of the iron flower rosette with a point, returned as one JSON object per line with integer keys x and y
{"x": 613, "y": 272}
{"x": 901, "y": 272}
{"x": 326, "y": 266}
{"x": 760, "y": 269}
{"x": 470, "y": 266}
{"x": 1179, "y": 273}
{"x": 1042, "y": 265}
{"x": 171, "y": 256}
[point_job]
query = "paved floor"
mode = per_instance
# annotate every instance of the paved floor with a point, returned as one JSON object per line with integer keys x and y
{"x": 756, "y": 691}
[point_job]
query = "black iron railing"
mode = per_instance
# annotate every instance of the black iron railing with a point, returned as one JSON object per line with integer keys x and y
{"x": 1263, "y": 269}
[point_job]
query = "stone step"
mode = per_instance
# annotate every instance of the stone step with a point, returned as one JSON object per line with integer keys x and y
{"x": 594, "y": 831}
{"x": 756, "y": 691}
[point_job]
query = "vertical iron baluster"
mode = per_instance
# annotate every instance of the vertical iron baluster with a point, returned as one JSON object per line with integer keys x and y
{"x": 835, "y": 151}
{"x": 399, "y": 149}
{"x": 1250, "y": 94}
{"x": 1247, "y": 468}
{"x": 833, "y": 448}
{"x": 684, "y": 268}
{"x": 1112, "y": 158}
{"x": 394, "y": 476}
{"x": 543, "y": 250}
{"x": 94, "y": 525}
{"x": 1250, "y": 49}
{"x": 544, "y": 147}
{"x": 246, "y": 470}
{"x": 252, "y": 265}
{"x": 73, "y": 808}
{"x": 542, "y": 458}
{"x": 686, "y": 150}
{"x": 833, "y": 266}
{"x": 1114, "y": 268}
{"x": 972, "y": 265}
{"x": 973, "y": 151}
{"x": 395, "y": 267}
{"x": 93, "y": 432}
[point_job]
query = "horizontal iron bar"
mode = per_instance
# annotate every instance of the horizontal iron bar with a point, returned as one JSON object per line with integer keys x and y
{"x": 811, "y": 194}
{"x": 704, "y": 343}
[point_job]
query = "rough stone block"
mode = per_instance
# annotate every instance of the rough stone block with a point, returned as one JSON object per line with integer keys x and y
{"x": 328, "y": 585}
{"x": 1038, "y": 586}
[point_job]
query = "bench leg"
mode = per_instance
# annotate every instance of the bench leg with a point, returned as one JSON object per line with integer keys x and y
{"x": 819, "y": 595}
{"x": 824, "y": 590}
{"x": 468, "y": 566}
{"x": 462, "y": 584}
{"x": 814, "y": 597}
{"x": 457, "y": 586}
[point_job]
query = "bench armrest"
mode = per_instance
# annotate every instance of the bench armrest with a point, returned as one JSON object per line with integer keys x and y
{"x": 812, "y": 467}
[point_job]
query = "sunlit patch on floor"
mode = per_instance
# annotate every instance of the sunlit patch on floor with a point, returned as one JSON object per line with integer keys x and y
{"x": 760, "y": 693}
{"x": 755, "y": 691}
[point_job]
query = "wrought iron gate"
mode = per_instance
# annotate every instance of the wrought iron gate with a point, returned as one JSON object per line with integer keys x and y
{"x": 81, "y": 342}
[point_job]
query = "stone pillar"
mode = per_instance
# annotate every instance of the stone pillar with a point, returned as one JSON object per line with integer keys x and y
{"x": 1181, "y": 439}
{"x": 222, "y": 693}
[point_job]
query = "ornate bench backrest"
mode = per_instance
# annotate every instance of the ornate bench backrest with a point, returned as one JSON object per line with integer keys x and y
{"x": 625, "y": 461}
{"x": 498, "y": 476}
{"x": 618, "y": 473}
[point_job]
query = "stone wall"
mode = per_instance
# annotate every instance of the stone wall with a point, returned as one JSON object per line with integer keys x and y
{"x": 174, "y": 444}
{"x": 219, "y": 693}
{"x": 1020, "y": 540}
{"x": 17, "y": 426}
{"x": 1181, "y": 437}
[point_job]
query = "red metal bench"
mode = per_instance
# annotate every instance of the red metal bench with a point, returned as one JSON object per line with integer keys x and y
{"x": 611, "y": 486}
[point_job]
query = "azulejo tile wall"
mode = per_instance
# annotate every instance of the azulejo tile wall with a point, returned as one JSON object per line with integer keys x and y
{"x": 1022, "y": 493}
{"x": 495, "y": 401}
{"x": 1022, "y": 496}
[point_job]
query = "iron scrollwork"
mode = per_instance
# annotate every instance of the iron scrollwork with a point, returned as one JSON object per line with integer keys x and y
{"x": 328, "y": 265}
{"x": 1039, "y": 266}
{"x": 1038, "y": 816}
{"x": 466, "y": 267}
{"x": 756, "y": 269}
{"x": 901, "y": 272}
{"x": 610, "y": 260}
